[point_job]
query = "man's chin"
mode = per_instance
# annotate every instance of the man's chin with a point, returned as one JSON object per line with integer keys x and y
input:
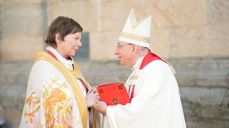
{"x": 119, "y": 61}
{"x": 122, "y": 63}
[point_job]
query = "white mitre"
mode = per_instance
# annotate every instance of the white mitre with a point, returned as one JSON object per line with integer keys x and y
{"x": 136, "y": 32}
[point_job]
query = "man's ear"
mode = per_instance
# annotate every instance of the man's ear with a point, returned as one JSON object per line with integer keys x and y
{"x": 135, "y": 48}
{"x": 58, "y": 38}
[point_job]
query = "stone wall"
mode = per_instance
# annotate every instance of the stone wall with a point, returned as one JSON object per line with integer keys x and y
{"x": 180, "y": 29}
{"x": 22, "y": 29}
{"x": 192, "y": 35}
{"x": 204, "y": 92}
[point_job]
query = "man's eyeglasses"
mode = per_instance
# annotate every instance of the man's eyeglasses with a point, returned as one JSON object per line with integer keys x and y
{"x": 119, "y": 46}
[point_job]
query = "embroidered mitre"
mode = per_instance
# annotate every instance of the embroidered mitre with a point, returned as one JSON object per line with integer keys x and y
{"x": 136, "y": 32}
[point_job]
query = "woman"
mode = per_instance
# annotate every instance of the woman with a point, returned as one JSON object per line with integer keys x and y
{"x": 57, "y": 93}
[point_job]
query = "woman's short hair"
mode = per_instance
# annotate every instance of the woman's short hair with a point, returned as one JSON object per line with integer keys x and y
{"x": 63, "y": 26}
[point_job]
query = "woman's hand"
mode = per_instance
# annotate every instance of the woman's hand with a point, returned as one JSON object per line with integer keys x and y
{"x": 92, "y": 98}
{"x": 101, "y": 106}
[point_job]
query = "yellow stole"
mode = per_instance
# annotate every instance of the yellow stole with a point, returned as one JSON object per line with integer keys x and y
{"x": 71, "y": 78}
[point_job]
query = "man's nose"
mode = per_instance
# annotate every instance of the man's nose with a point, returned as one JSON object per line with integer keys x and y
{"x": 116, "y": 51}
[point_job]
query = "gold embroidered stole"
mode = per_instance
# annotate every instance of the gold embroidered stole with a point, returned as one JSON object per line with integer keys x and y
{"x": 78, "y": 75}
{"x": 71, "y": 78}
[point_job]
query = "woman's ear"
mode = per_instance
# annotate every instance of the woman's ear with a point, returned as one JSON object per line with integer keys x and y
{"x": 58, "y": 38}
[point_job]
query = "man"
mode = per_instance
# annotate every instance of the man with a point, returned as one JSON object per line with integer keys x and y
{"x": 152, "y": 87}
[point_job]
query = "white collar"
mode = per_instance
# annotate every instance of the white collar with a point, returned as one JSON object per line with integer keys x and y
{"x": 138, "y": 63}
{"x": 67, "y": 63}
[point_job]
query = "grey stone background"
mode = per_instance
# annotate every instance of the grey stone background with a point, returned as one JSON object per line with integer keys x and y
{"x": 203, "y": 88}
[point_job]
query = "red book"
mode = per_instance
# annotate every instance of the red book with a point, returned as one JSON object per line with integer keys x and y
{"x": 113, "y": 94}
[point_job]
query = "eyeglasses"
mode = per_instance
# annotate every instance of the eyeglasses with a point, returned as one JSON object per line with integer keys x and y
{"x": 119, "y": 46}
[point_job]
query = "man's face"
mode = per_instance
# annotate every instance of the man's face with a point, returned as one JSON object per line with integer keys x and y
{"x": 124, "y": 53}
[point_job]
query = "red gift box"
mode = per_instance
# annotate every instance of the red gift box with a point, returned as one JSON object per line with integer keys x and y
{"x": 113, "y": 94}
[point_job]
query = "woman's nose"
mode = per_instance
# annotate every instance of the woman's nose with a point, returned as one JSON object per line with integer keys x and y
{"x": 79, "y": 43}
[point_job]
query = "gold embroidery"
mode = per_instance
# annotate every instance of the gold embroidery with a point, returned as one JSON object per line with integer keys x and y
{"x": 79, "y": 97}
{"x": 32, "y": 105}
{"x": 136, "y": 37}
{"x": 57, "y": 105}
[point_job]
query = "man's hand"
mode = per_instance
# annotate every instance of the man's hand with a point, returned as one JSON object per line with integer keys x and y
{"x": 101, "y": 106}
{"x": 92, "y": 98}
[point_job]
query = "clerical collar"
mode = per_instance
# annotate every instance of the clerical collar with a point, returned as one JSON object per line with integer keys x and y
{"x": 66, "y": 62}
{"x": 138, "y": 63}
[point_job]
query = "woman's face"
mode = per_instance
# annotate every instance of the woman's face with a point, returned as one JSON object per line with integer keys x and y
{"x": 69, "y": 45}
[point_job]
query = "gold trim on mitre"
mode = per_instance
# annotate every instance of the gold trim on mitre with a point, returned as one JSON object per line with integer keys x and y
{"x": 135, "y": 37}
